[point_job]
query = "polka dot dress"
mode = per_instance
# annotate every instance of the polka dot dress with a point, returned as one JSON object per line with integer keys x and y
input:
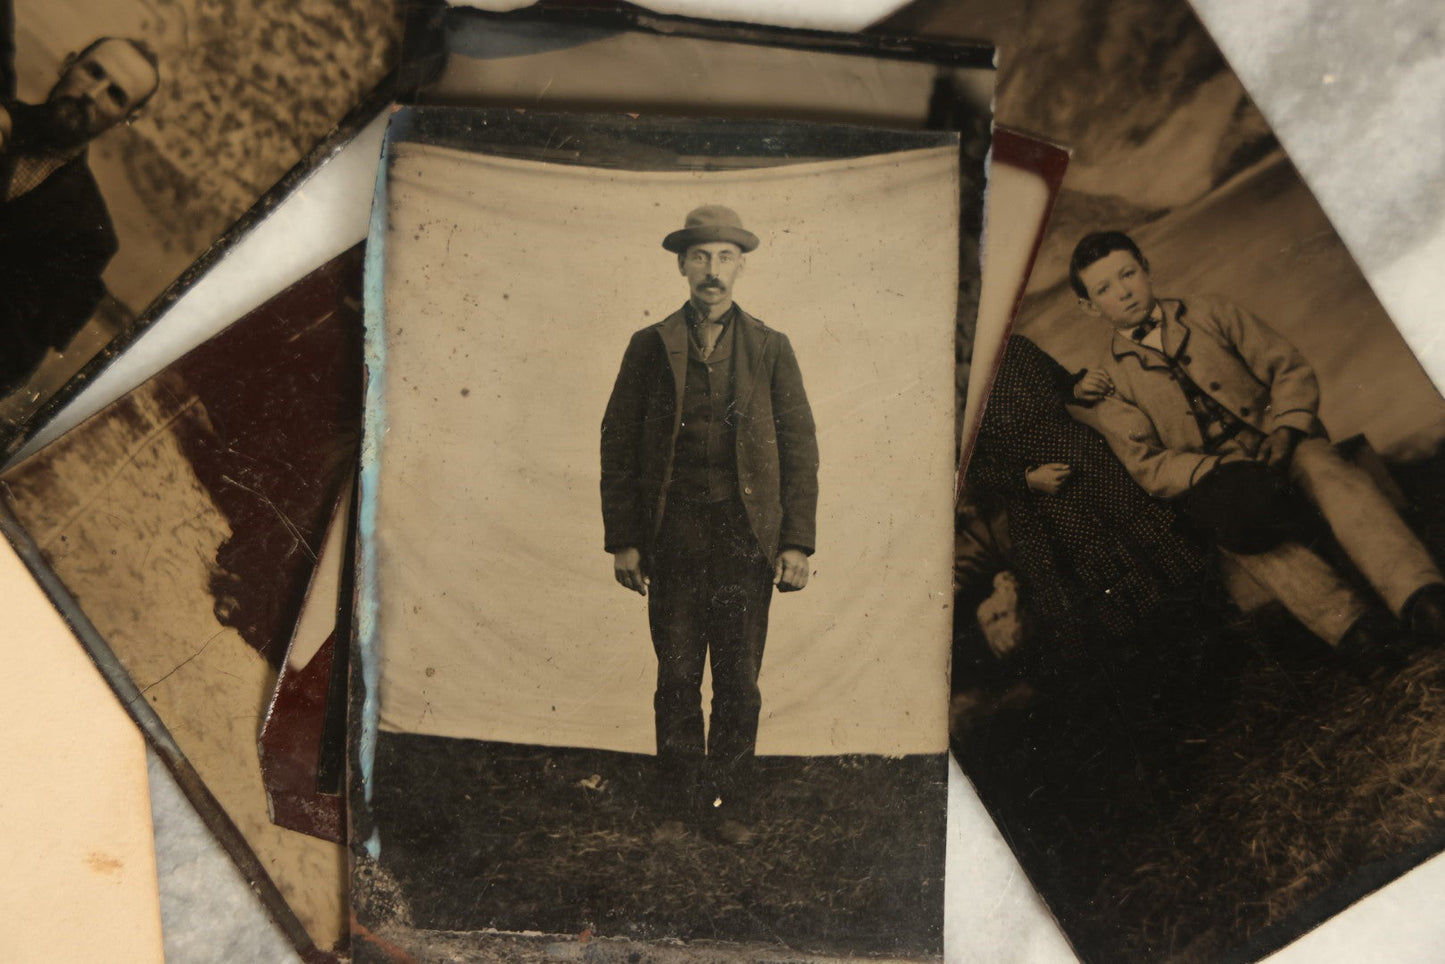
{"x": 1099, "y": 557}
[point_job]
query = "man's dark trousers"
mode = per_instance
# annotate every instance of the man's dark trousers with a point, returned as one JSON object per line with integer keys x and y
{"x": 710, "y": 590}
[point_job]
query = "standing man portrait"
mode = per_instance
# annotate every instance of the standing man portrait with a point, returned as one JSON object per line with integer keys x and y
{"x": 709, "y": 497}
{"x": 56, "y": 236}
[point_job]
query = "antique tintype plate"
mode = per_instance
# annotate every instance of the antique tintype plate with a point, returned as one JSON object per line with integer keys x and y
{"x": 179, "y": 527}
{"x": 302, "y": 742}
{"x": 134, "y": 135}
{"x": 1191, "y": 767}
{"x": 1024, "y": 177}
{"x": 504, "y": 725}
{"x": 614, "y": 56}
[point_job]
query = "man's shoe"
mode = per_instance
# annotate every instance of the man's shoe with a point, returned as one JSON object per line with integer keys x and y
{"x": 1424, "y": 615}
{"x": 1371, "y": 647}
{"x": 734, "y": 833}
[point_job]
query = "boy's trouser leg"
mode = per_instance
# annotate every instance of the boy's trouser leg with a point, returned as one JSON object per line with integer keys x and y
{"x": 1306, "y": 585}
{"x": 1364, "y": 523}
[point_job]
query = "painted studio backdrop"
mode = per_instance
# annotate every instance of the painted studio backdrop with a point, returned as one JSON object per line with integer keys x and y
{"x": 511, "y": 288}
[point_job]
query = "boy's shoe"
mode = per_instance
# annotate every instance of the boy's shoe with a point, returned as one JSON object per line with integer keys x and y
{"x": 1424, "y": 615}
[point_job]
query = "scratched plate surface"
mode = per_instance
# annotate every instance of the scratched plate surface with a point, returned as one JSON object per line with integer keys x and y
{"x": 186, "y": 518}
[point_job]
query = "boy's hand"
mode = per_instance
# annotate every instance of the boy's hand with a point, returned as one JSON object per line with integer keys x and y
{"x": 1278, "y": 448}
{"x": 1094, "y": 385}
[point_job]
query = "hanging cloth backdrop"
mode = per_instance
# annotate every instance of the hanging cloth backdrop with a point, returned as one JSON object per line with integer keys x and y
{"x": 510, "y": 290}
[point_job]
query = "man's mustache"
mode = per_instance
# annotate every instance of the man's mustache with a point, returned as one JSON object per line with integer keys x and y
{"x": 712, "y": 283}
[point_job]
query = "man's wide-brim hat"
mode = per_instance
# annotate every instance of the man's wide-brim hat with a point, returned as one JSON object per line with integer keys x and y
{"x": 709, "y": 223}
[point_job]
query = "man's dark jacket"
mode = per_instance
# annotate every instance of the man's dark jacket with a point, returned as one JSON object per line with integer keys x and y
{"x": 55, "y": 241}
{"x": 777, "y": 444}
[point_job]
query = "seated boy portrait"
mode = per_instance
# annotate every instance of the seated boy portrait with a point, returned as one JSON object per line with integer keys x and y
{"x": 1209, "y": 407}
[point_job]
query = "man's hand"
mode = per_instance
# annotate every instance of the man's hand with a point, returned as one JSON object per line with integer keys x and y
{"x": 627, "y": 567}
{"x": 1048, "y": 478}
{"x": 1278, "y": 447}
{"x": 791, "y": 571}
{"x": 1095, "y": 384}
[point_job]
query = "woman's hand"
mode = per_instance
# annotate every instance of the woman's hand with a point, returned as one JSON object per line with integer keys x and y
{"x": 1048, "y": 478}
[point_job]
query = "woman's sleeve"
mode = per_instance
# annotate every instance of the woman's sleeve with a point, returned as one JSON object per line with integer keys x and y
{"x": 997, "y": 466}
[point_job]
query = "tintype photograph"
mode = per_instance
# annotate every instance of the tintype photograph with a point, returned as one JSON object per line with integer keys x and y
{"x": 1196, "y": 667}
{"x": 132, "y": 136}
{"x": 615, "y": 57}
{"x": 181, "y": 528}
{"x": 1200, "y": 602}
{"x": 654, "y": 605}
{"x": 1199, "y": 638}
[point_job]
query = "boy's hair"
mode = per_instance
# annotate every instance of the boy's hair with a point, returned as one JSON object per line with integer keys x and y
{"x": 1096, "y": 247}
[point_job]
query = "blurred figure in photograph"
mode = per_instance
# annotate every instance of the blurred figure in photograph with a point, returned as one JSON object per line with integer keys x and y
{"x": 56, "y": 236}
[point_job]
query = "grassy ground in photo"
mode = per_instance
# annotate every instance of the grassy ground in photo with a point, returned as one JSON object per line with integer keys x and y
{"x": 1316, "y": 791}
{"x": 1293, "y": 789}
{"x": 475, "y": 835}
